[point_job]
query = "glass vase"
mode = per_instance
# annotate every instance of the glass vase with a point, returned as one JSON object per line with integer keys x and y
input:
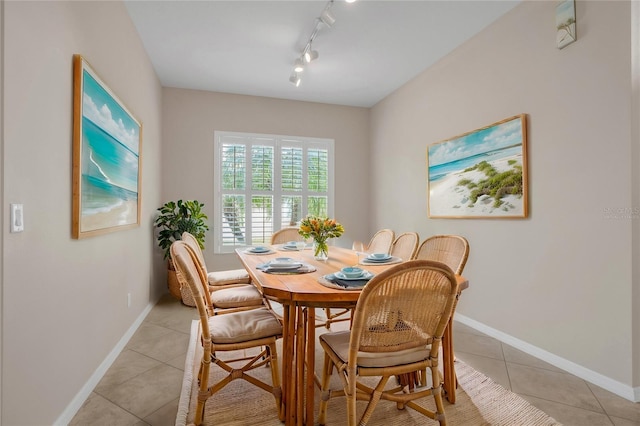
{"x": 320, "y": 250}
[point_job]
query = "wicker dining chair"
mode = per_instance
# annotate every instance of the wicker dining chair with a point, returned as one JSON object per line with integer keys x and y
{"x": 405, "y": 245}
{"x": 237, "y": 331}
{"x": 397, "y": 328}
{"x": 229, "y": 290}
{"x": 381, "y": 241}
{"x": 453, "y": 251}
{"x": 286, "y": 234}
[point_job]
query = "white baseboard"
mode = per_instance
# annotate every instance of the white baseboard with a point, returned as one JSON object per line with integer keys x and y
{"x": 620, "y": 389}
{"x": 95, "y": 378}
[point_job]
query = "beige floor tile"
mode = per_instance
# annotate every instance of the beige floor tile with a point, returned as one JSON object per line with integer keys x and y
{"x": 569, "y": 416}
{"x": 615, "y": 405}
{"x": 147, "y": 392}
{"x": 516, "y": 356}
{"x": 128, "y": 365}
{"x": 459, "y": 327}
{"x": 623, "y": 422}
{"x": 552, "y": 386}
{"x": 178, "y": 362}
{"x": 158, "y": 342}
{"x": 172, "y": 314}
{"x": 495, "y": 369}
{"x": 98, "y": 411}
{"x": 165, "y": 416}
{"x": 478, "y": 345}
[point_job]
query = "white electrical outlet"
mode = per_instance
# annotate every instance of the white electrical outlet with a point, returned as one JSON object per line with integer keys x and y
{"x": 128, "y": 300}
{"x": 17, "y": 218}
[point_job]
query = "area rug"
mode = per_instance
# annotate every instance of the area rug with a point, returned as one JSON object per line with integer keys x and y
{"x": 479, "y": 401}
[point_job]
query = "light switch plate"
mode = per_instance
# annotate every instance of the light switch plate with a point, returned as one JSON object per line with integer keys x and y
{"x": 17, "y": 218}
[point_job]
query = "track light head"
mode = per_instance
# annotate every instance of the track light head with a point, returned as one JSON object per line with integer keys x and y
{"x": 298, "y": 65}
{"x": 310, "y": 55}
{"x": 295, "y": 79}
{"x": 327, "y": 17}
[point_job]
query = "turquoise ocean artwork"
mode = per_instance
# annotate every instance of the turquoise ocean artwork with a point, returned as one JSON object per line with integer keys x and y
{"x": 109, "y": 160}
{"x": 488, "y": 144}
{"x": 481, "y": 173}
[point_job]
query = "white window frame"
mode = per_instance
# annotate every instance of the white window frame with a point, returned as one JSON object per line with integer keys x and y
{"x": 277, "y": 141}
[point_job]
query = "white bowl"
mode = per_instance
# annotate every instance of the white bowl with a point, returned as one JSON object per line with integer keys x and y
{"x": 352, "y": 272}
{"x": 378, "y": 256}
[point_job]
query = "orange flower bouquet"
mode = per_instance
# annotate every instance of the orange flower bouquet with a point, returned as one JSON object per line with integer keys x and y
{"x": 320, "y": 229}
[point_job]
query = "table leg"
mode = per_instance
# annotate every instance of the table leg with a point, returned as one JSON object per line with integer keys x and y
{"x": 311, "y": 362}
{"x": 288, "y": 365}
{"x": 299, "y": 364}
{"x": 447, "y": 364}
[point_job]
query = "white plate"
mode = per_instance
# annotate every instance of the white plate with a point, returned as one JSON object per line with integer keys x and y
{"x": 256, "y": 250}
{"x": 284, "y": 265}
{"x": 365, "y": 276}
{"x": 378, "y": 259}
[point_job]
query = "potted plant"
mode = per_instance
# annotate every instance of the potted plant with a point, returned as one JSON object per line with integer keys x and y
{"x": 174, "y": 219}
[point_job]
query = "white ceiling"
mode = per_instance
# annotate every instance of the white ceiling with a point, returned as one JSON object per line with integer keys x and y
{"x": 248, "y": 47}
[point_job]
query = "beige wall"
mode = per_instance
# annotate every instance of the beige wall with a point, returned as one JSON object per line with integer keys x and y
{"x": 560, "y": 282}
{"x": 65, "y": 301}
{"x": 189, "y": 119}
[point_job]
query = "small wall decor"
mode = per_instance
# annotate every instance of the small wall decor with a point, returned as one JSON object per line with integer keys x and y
{"x": 107, "y": 140}
{"x": 480, "y": 174}
{"x": 565, "y": 23}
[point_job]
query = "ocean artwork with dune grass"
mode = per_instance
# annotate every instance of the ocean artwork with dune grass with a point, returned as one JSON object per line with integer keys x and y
{"x": 480, "y": 174}
{"x": 107, "y": 142}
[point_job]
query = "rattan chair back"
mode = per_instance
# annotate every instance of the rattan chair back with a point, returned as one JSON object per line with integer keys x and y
{"x": 452, "y": 250}
{"x": 228, "y": 298}
{"x": 194, "y": 245}
{"x": 285, "y": 235}
{"x": 405, "y": 245}
{"x": 191, "y": 275}
{"x": 402, "y": 308}
{"x": 381, "y": 241}
{"x": 397, "y": 329}
{"x": 257, "y": 328}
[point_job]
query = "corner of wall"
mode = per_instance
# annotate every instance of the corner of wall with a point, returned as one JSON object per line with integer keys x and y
{"x": 2, "y": 203}
{"x": 635, "y": 195}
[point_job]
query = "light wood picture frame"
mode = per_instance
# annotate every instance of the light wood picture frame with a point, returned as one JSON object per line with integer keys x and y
{"x": 480, "y": 174}
{"x": 107, "y": 160}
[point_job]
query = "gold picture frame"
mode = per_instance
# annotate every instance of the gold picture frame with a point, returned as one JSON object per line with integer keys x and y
{"x": 480, "y": 174}
{"x": 107, "y": 160}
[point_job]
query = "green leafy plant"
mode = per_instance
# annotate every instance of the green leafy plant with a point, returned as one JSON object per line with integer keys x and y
{"x": 178, "y": 217}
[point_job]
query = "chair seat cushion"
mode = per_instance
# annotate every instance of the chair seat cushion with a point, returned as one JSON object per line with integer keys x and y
{"x": 243, "y": 326}
{"x": 339, "y": 343}
{"x": 232, "y": 276}
{"x": 236, "y": 296}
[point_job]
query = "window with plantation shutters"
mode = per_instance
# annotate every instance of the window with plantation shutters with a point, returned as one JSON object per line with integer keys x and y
{"x": 266, "y": 182}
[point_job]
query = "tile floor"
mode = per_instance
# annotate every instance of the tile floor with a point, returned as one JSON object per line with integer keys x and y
{"x": 142, "y": 387}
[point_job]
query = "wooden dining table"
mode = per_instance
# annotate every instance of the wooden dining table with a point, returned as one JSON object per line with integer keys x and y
{"x": 300, "y": 294}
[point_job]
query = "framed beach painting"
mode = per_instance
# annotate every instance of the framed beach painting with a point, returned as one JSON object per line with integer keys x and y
{"x": 480, "y": 174}
{"x": 107, "y": 140}
{"x": 565, "y": 23}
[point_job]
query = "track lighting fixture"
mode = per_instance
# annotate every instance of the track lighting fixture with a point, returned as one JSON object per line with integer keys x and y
{"x": 326, "y": 19}
{"x": 295, "y": 79}
{"x": 310, "y": 55}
